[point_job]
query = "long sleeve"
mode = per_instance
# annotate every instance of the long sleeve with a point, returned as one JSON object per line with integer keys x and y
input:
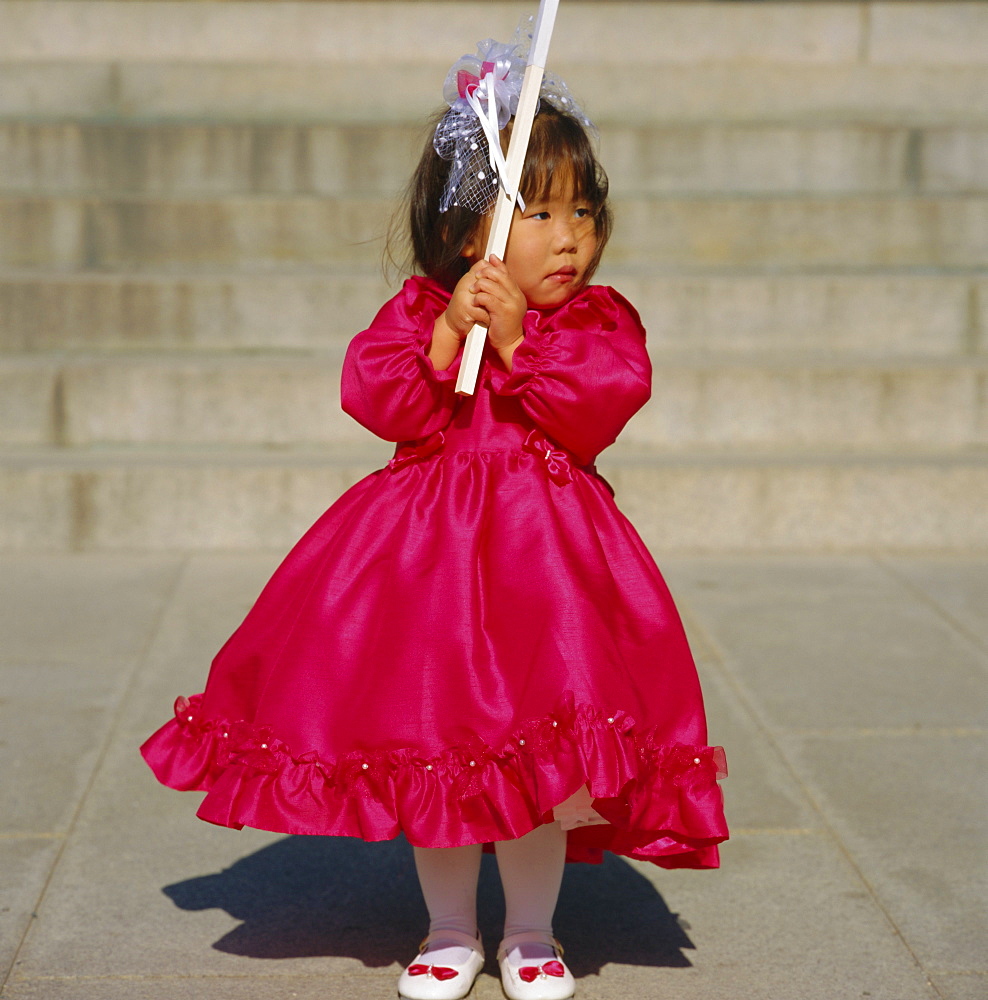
{"x": 388, "y": 383}
{"x": 582, "y": 372}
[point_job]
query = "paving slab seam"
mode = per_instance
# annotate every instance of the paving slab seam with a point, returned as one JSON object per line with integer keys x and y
{"x": 719, "y": 661}
{"x": 973, "y": 638}
{"x": 59, "y": 835}
{"x": 888, "y": 731}
{"x": 114, "y": 722}
{"x": 180, "y": 977}
{"x": 778, "y": 831}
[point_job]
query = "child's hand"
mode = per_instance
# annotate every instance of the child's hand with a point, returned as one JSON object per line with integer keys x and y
{"x": 495, "y": 291}
{"x": 463, "y": 311}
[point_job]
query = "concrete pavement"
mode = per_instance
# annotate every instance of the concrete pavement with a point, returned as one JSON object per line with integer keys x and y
{"x": 848, "y": 690}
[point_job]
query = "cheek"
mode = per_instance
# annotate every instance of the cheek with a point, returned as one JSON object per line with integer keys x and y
{"x": 521, "y": 261}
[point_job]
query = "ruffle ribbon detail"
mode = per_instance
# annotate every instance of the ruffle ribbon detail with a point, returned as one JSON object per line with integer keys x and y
{"x": 661, "y": 792}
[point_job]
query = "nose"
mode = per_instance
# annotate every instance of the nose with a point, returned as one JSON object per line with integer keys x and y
{"x": 565, "y": 236}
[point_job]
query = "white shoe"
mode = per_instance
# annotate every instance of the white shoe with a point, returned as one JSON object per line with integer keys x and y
{"x": 422, "y": 981}
{"x": 547, "y": 979}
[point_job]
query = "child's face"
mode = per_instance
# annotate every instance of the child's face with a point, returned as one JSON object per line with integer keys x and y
{"x": 550, "y": 247}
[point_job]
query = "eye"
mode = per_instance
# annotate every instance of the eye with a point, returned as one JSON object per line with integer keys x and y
{"x": 582, "y": 213}
{"x": 539, "y": 215}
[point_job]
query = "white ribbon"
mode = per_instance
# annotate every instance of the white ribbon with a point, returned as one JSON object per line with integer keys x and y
{"x": 488, "y": 122}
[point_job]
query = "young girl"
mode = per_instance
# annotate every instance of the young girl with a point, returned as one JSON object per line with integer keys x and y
{"x": 472, "y": 646}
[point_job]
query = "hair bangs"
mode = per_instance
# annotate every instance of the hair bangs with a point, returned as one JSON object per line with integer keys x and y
{"x": 560, "y": 152}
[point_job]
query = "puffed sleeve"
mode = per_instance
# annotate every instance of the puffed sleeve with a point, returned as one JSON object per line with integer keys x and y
{"x": 582, "y": 372}
{"x": 388, "y": 383}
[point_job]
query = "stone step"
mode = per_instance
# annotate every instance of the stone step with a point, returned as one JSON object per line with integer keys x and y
{"x": 280, "y": 233}
{"x": 210, "y": 499}
{"x": 766, "y": 405}
{"x": 666, "y": 32}
{"x": 905, "y": 61}
{"x": 357, "y": 32}
{"x": 753, "y": 91}
{"x": 837, "y": 315}
{"x": 223, "y": 158}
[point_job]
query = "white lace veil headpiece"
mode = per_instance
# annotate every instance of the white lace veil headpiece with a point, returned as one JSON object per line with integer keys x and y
{"x": 482, "y": 93}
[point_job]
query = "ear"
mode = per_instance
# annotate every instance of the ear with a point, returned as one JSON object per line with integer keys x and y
{"x": 476, "y": 243}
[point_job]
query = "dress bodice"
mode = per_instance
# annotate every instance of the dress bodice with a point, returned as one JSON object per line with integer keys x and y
{"x": 580, "y": 374}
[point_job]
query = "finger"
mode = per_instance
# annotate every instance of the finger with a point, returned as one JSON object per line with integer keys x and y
{"x": 481, "y": 267}
{"x": 488, "y": 303}
{"x": 478, "y": 313}
{"x": 492, "y": 298}
{"x": 488, "y": 283}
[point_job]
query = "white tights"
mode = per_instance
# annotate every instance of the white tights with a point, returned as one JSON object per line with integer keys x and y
{"x": 531, "y": 869}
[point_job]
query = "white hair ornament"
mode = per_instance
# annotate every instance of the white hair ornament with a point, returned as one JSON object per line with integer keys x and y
{"x": 482, "y": 92}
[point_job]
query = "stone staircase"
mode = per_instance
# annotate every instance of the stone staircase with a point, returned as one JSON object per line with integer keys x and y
{"x": 192, "y": 198}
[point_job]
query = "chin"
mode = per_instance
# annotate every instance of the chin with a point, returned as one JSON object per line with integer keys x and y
{"x": 557, "y": 296}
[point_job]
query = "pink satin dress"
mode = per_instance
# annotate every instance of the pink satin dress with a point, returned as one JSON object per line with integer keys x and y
{"x": 474, "y": 635}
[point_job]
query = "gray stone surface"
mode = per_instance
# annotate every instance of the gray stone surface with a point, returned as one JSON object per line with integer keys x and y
{"x": 663, "y": 32}
{"x": 834, "y": 316}
{"x": 822, "y": 645}
{"x": 925, "y": 94}
{"x": 272, "y": 234}
{"x": 700, "y": 404}
{"x": 790, "y": 234}
{"x": 26, "y": 396}
{"x": 762, "y": 795}
{"x": 214, "y": 594}
{"x": 203, "y": 159}
{"x": 804, "y": 925}
{"x": 961, "y": 986}
{"x": 918, "y": 841}
{"x": 54, "y": 721}
{"x": 99, "y": 612}
{"x": 173, "y": 498}
{"x": 802, "y": 501}
{"x": 25, "y": 863}
{"x": 954, "y": 159}
{"x": 113, "y": 312}
{"x": 944, "y": 32}
{"x": 853, "y": 869}
{"x": 800, "y": 195}
{"x": 760, "y": 159}
{"x": 182, "y": 987}
{"x": 958, "y": 587}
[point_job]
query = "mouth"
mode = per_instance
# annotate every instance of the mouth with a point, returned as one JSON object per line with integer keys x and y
{"x": 564, "y": 275}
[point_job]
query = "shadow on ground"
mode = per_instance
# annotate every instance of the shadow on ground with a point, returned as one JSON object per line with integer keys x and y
{"x": 312, "y": 896}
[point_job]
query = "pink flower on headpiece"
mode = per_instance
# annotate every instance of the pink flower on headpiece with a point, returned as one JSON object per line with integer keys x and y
{"x": 497, "y": 70}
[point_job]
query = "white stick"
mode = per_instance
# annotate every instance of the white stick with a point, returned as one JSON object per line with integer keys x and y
{"x": 504, "y": 209}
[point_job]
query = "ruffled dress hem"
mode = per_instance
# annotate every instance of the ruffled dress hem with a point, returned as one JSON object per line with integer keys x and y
{"x": 661, "y": 801}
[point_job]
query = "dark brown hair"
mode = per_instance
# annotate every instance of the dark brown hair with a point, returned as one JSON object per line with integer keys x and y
{"x": 431, "y": 242}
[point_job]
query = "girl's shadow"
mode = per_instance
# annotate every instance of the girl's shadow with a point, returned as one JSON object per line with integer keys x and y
{"x": 309, "y": 896}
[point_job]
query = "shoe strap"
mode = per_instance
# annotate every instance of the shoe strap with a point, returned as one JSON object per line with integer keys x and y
{"x": 528, "y": 937}
{"x": 453, "y": 937}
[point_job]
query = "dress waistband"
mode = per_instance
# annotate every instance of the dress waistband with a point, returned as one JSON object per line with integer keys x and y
{"x": 559, "y": 463}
